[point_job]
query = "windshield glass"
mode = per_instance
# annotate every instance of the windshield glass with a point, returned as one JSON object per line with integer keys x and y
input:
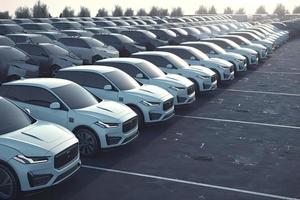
{"x": 125, "y": 39}
{"x": 232, "y": 44}
{"x": 217, "y": 48}
{"x": 41, "y": 39}
{"x": 122, "y": 80}
{"x": 13, "y": 54}
{"x": 75, "y": 96}
{"x": 177, "y": 62}
{"x": 149, "y": 34}
{"x": 56, "y": 50}
{"x": 150, "y": 70}
{"x": 94, "y": 43}
{"x": 48, "y": 27}
{"x": 14, "y": 119}
{"x": 199, "y": 54}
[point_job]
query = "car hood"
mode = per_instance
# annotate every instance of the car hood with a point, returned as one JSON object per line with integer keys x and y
{"x": 219, "y": 61}
{"x": 258, "y": 46}
{"x": 108, "y": 111}
{"x": 247, "y": 50}
{"x": 37, "y": 139}
{"x": 173, "y": 80}
{"x": 149, "y": 93}
{"x": 235, "y": 55}
{"x": 201, "y": 70}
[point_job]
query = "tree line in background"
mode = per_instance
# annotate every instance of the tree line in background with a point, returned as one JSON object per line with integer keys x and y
{"x": 40, "y": 10}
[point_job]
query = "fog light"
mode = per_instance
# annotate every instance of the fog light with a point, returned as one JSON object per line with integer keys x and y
{"x": 38, "y": 180}
{"x": 112, "y": 140}
{"x": 154, "y": 116}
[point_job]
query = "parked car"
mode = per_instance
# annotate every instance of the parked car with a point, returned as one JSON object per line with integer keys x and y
{"x": 96, "y": 123}
{"x": 34, "y": 154}
{"x": 7, "y": 21}
{"x": 151, "y": 103}
{"x": 145, "y": 72}
{"x": 105, "y": 23}
{"x": 36, "y": 27}
{"x": 67, "y": 25}
{"x": 203, "y": 78}
{"x": 50, "y": 57}
{"x": 89, "y": 49}
{"x": 97, "y": 30}
{"x": 122, "y": 43}
{"x": 24, "y": 38}
{"x": 167, "y": 35}
{"x": 5, "y": 41}
{"x": 78, "y": 33}
{"x": 230, "y": 46}
{"x": 15, "y": 64}
{"x": 10, "y": 29}
{"x": 243, "y": 42}
{"x": 145, "y": 38}
{"x": 223, "y": 69}
{"x": 22, "y": 20}
{"x": 214, "y": 51}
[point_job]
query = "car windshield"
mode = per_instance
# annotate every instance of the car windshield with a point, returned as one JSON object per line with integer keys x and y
{"x": 94, "y": 43}
{"x": 14, "y": 119}
{"x": 41, "y": 39}
{"x": 232, "y": 44}
{"x": 48, "y": 27}
{"x": 13, "y": 54}
{"x": 15, "y": 29}
{"x": 148, "y": 34}
{"x": 122, "y": 80}
{"x": 217, "y": 48}
{"x": 177, "y": 62}
{"x": 56, "y": 50}
{"x": 125, "y": 39}
{"x": 75, "y": 96}
{"x": 150, "y": 70}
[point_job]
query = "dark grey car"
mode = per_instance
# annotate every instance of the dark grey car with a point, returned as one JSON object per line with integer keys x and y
{"x": 10, "y": 28}
{"x": 50, "y": 57}
{"x": 15, "y": 64}
{"x": 5, "y": 41}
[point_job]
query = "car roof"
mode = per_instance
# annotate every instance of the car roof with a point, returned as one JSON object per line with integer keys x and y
{"x": 47, "y": 83}
{"x": 198, "y": 42}
{"x": 102, "y": 69}
{"x": 154, "y": 53}
{"x": 25, "y": 34}
{"x": 123, "y": 60}
{"x": 175, "y": 47}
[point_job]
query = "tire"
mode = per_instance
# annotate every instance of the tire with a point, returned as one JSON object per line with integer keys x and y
{"x": 218, "y": 76}
{"x": 89, "y": 143}
{"x": 54, "y": 69}
{"x": 96, "y": 58}
{"x": 10, "y": 190}
{"x": 140, "y": 116}
{"x": 197, "y": 90}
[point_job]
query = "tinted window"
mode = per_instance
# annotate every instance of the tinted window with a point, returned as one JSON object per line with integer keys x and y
{"x": 75, "y": 96}
{"x": 150, "y": 70}
{"x": 156, "y": 60}
{"x": 40, "y": 39}
{"x": 14, "y": 119}
{"x": 93, "y": 42}
{"x": 177, "y": 62}
{"x": 13, "y": 54}
{"x": 18, "y": 39}
{"x": 122, "y": 80}
{"x": 128, "y": 68}
{"x": 56, "y": 50}
{"x": 31, "y": 95}
{"x": 33, "y": 50}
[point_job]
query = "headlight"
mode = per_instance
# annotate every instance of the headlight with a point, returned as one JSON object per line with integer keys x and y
{"x": 107, "y": 124}
{"x": 148, "y": 103}
{"x": 203, "y": 77}
{"x": 238, "y": 60}
{"x": 30, "y": 160}
{"x": 176, "y": 88}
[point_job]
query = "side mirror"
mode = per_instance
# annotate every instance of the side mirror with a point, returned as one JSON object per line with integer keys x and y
{"x": 139, "y": 76}
{"x": 170, "y": 66}
{"x": 55, "y": 105}
{"x": 211, "y": 52}
{"x": 193, "y": 58}
{"x": 107, "y": 87}
{"x": 27, "y": 111}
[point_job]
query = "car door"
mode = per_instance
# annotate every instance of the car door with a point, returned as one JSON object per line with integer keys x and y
{"x": 38, "y": 101}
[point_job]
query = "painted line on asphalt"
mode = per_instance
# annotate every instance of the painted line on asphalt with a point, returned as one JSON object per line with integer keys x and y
{"x": 285, "y": 73}
{"x": 260, "y": 92}
{"x": 190, "y": 183}
{"x": 239, "y": 122}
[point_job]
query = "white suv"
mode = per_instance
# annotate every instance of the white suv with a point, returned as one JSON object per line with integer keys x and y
{"x": 96, "y": 123}
{"x": 147, "y": 73}
{"x": 151, "y": 103}
{"x": 223, "y": 69}
{"x": 203, "y": 78}
{"x": 34, "y": 154}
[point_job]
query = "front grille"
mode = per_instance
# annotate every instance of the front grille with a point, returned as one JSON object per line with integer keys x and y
{"x": 130, "y": 124}
{"x": 168, "y": 104}
{"x": 213, "y": 78}
{"x": 66, "y": 156}
{"x": 191, "y": 90}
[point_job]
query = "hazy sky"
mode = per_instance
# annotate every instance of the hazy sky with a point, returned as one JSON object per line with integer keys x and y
{"x": 188, "y": 6}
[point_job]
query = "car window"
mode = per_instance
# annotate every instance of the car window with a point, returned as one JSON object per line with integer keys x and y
{"x": 40, "y": 39}
{"x": 30, "y": 95}
{"x": 34, "y": 50}
{"x": 151, "y": 70}
{"x": 14, "y": 119}
{"x": 156, "y": 60}
{"x": 18, "y": 39}
{"x": 122, "y": 80}
{"x": 30, "y": 26}
{"x": 13, "y": 54}
{"x": 56, "y": 50}
{"x": 128, "y": 68}
{"x": 92, "y": 42}
{"x": 75, "y": 96}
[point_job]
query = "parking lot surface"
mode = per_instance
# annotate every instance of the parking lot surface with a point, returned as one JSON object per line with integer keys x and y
{"x": 238, "y": 142}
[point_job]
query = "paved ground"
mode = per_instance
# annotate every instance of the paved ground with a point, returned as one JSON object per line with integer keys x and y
{"x": 239, "y": 142}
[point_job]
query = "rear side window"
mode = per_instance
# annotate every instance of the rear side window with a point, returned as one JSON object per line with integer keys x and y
{"x": 32, "y": 50}
{"x": 18, "y": 39}
{"x": 74, "y": 42}
{"x": 30, "y": 95}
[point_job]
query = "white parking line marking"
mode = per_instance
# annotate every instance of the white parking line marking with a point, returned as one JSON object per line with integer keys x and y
{"x": 190, "y": 183}
{"x": 261, "y": 92}
{"x": 237, "y": 121}
{"x": 285, "y": 73}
